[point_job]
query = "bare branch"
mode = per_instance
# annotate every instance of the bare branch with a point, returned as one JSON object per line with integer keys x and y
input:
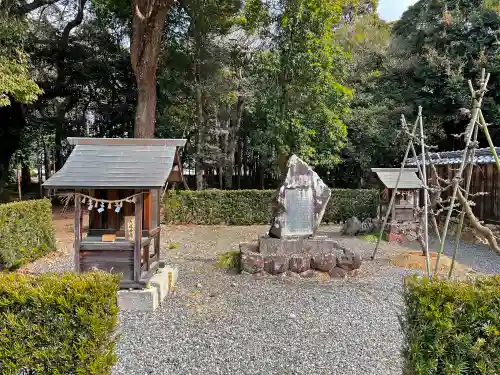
{"x": 29, "y": 7}
{"x": 476, "y": 224}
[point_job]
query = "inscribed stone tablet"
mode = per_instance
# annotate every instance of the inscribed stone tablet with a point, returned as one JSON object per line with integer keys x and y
{"x": 299, "y": 206}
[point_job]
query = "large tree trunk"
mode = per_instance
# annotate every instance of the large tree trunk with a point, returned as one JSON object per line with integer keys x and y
{"x": 4, "y": 170}
{"x": 238, "y": 166}
{"x": 46, "y": 160}
{"x": 200, "y": 125}
{"x": 25, "y": 175}
{"x": 10, "y": 136}
{"x": 147, "y": 28}
{"x": 232, "y": 142}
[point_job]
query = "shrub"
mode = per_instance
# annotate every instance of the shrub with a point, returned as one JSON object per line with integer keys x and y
{"x": 452, "y": 327}
{"x": 58, "y": 324}
{"x": 247, "y": 207}
{"x": 26, "y": 232}
{"x": 230, "y": 260}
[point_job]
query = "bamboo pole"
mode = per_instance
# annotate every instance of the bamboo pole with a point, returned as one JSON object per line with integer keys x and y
{"x": 468, "y": 180}
{"x": 426, "y": 195}
{"x": 391, "y": 203}
{"x": 434, "y": 222}
{"x": 477, "y": 100}
{"x": 484, "y": 127}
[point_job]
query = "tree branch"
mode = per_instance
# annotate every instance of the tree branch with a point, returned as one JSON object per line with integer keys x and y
{"x": 29, "y": 7}
{"x": 474, "y": 222}
{"x": 72, "y": 24}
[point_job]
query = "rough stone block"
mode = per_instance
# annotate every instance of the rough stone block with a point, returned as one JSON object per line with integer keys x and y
{"x": 394, "y": 237}
{"x": 351, "y": 260}
{"x": 138, "y": 299}
{"x": 249, "y": 247}
{"x": 324, "y": 262}
{"x": 352, "y": 226}
{"x": 300, "y": 202}
{"x": 252, "y": 262}
{"x": 275, "y": 264}
{"x": 307, "y": 274}
{"x": 291, "y": 274}
{"x": 299, "y": 263}
{"x": 337, "y": 273}
{"x": 289, "y": 246}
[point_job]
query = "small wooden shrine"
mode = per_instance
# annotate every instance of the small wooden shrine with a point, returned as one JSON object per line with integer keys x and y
{"x": 120, "y": 182}
{"x": 407, "y": 195}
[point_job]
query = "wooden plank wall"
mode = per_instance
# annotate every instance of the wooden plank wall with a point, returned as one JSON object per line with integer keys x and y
{"x": 485, "y": 178}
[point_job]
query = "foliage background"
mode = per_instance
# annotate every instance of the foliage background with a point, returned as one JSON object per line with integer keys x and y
{"x": 250, "y": 207}
{"x": 26, "y": 232}
{"x": 452, "y": 327}
{"x": 53, "y": 324}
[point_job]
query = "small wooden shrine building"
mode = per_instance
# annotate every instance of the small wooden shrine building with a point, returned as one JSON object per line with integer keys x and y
{"x": 407, "y": 196}
{"x": 485, "y": 178}
{"x": 120, "y": 182}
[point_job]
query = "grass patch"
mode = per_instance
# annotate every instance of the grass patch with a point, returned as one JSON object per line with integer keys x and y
{"x": 230, "y": 260}
{"x": 173, "y": 246}
{"x": 369, "y": 237}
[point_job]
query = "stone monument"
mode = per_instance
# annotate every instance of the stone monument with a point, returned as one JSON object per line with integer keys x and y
{"x": 291, "y": 245}
{"x": 300, "y": 203}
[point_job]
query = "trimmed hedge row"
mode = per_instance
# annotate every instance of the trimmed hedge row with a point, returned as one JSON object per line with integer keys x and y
{"x": 452, "y": 327}
{"x": 53, "y": 324}
{"x": 247, "y": 207}
{"x": 26, "y": 232}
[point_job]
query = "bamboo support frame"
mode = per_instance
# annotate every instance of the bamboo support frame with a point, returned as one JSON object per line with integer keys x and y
{"x": 426, "y": 195}
{"x": 484, "y": 127}
{"x": 461, "y": 193}
{"x": 477, "y": 102}
{"x": 468, "y": 179}
{"x": 391, "y": 203}
{"x": 434, "y": 222}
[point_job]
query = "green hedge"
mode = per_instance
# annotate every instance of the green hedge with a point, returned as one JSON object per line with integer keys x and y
{"x": 452, "y": 327}
{"x": 247, "y": 207}
{"x": 26, "y": 232}
{"x": 58, "y": 325}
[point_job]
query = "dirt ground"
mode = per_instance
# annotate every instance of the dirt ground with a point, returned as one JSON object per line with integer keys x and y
{"x": 183, "y": 243}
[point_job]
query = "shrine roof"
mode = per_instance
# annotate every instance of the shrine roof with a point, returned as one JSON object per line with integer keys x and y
{"x": 481, "y": 156}
{"x": 389, "y": 176}
{"x": 126, "y": 163}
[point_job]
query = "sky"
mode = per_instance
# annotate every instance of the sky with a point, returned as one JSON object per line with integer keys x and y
{"x": 391, "y": 10}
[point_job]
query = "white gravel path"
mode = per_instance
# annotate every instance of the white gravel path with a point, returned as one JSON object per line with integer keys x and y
{"x": 221, "y": 323}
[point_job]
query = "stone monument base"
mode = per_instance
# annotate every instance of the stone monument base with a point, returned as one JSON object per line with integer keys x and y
{"x": 400, "y": 232}
{"x": 298, "y": 255}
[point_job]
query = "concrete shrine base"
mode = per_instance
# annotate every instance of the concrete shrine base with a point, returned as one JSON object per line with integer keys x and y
{"x": 148, "y": 299}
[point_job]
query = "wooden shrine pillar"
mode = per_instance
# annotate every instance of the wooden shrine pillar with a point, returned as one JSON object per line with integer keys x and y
{"x": 138, "y": 237}
{"x": 78, "y": 233}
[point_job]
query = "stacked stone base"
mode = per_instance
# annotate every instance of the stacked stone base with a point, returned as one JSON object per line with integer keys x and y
{"x": 302, "y": 257}
{"x": 400, "y": 232}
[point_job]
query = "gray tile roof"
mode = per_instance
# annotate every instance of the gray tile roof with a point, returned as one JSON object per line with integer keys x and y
{"x": 389, "y": 176}
{"x": 482, "y": 156}
{"x": 102, "y": 165}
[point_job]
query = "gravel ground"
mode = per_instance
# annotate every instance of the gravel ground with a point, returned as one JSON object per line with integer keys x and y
{"x": 478, "y": 257}
{"x": 222, "y": 323}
